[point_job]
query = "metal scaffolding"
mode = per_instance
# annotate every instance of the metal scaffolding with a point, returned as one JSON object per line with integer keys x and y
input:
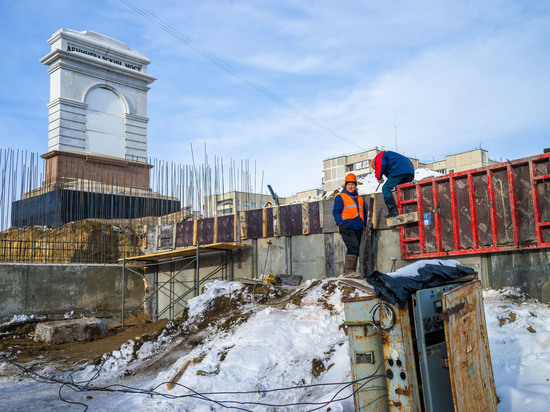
{"x": 190, "y": 255}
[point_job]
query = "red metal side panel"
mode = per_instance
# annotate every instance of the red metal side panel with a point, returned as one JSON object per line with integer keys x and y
{"x": 497, "y": 208}
{"x": 446, "y": 215}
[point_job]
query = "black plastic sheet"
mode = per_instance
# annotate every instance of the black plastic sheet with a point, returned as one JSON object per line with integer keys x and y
{"x": 397, "y": 289}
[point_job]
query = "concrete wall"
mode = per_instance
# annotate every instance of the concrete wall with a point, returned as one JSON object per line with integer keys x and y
{"x": 320, "y": 255}
{"x": 53, "y": 290}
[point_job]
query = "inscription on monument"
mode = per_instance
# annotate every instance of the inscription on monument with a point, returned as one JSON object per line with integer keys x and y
{"x": 103, "y": 57}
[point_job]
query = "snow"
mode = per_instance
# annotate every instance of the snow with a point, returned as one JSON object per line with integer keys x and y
{"x": 412, "y": 269}
{"x": 369, "y": 184}
{"x": 275, "y": 347}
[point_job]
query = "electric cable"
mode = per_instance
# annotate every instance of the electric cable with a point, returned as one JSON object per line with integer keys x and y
{"x": 232, "y": 70}
{"x": 388, "y": 310}
{"x": 77, "y": 387}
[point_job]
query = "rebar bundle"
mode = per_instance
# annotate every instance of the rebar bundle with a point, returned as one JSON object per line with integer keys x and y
{"x": 97, "y": 215}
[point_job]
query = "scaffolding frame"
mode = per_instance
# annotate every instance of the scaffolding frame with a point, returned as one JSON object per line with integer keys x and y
{"x": 191, "y": 255}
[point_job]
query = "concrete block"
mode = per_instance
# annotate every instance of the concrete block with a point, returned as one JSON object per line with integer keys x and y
{"x": 62, "y": 331}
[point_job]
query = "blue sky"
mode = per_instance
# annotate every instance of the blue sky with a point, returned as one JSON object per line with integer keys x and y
{"x": 449, "y": 76}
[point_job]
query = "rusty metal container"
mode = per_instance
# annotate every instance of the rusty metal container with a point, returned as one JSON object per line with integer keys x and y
{"x": 401, "y": 374}
{"x": 367, "y": 360}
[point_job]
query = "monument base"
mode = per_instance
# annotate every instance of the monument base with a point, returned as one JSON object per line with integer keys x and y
{"x": 65, "y": 166}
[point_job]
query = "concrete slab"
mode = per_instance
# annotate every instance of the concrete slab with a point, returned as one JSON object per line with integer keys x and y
{"x": 62, "y": 331}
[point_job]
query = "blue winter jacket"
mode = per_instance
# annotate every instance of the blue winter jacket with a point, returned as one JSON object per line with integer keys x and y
{"x": 393, "y": 164}
{"x": 356, "y": 223}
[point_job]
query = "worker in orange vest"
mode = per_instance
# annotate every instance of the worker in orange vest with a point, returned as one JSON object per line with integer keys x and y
{"x": 349, "y": 215}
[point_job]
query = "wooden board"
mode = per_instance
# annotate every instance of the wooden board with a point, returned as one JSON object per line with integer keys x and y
{"x": 255, "y": 223}
{"x": 269, "y": 222}
{"x": 165, "y": 236}
{"x": 358, "y": 284}
{"x": 188, "y": 251}
{"x": 305, "y": 218}
{"x": 315, "y": 218}
{"x": 368, "y": 255}
{"x": 226, "y": 228}
{"x": 291, "y": 220}
{"x": 184, "y": 233}
{"x": 328, "y": 223}
{"x": 205, "y": 231}
{"x": 170, "y": 385}
{"x": 402, "y": 219}
{"x": 468, "y": 352}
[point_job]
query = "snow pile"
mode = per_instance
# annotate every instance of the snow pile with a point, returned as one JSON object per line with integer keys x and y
{"x": 412, "y": 269}
{"x": 20, "y": 319}
{"x": 519, "y": 338}
{"x": 251, "y": 355}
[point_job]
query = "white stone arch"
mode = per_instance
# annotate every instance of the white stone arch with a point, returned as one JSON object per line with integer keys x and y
{"x": 105, "y": 130}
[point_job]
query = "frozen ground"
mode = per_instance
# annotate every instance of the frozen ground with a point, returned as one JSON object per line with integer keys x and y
{"x": 260, "y": 354}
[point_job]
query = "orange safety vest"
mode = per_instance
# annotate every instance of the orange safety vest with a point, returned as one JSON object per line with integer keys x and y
{"x": 351, "y": 209}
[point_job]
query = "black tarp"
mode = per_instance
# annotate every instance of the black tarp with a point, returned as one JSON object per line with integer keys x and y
{"x": 397, "y": 289}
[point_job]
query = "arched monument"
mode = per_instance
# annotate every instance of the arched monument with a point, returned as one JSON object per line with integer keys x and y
{"x": 96, "y": 164}
{"x": 97, "y": 108}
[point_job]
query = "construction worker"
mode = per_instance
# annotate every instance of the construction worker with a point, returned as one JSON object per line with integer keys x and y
{"x": 348, "y": 212}
{"x": 397, "y": 169}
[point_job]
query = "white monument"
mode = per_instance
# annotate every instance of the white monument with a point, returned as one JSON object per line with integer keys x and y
{"x": 97, "y": 110}
{"x": 98, "y": 95}
{"x": 96, "y": 164}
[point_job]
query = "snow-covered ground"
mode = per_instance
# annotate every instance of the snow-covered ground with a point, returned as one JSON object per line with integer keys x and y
{"x": 267, "y": 356}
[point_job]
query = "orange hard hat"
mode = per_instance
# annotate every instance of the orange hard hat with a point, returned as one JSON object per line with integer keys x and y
{"x": 372, "y": 163}
{"x": 350, "y": 177}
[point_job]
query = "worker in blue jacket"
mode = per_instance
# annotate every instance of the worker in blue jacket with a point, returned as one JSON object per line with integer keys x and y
{"x": 349, "y": 215}
{"x": 398, "y": 169}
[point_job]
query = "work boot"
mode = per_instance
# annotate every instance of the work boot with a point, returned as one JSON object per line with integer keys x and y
{"x": 350, "y": 264}
{"x": 392, "y": 207}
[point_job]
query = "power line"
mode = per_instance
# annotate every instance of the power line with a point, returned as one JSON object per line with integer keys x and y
{"x": 230, "y": 69}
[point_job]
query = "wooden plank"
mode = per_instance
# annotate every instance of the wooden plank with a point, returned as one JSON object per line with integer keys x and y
{"x": 269, "y": 222}
{"x": 205, "y": 231}
{"x": 165, "y": 236}
{"x": 184, "y": 233}
{"x": 315, "y": 211}
{"x": 367, "y": 255}
{"x": 215, "y": 229}
{"x": 242, "y": 226}
{"x": 254, "y": 223}
{"x": 172, "y": 382}
{"x": 468, "y": 352}
{"x": 226, "y": 226}
{"x": 290, "y": 220}
{"x": 402, "y": 219}
{"x": 305, "y": 218}
{"x": 189, "y": 251}
{"x": 374, "y": 207}
{"x": 358, "y": 284}
{"x": 264, "y": 222}
{"x": 327, "y": 222}
{"x": 276, "y": 221}
{"x": 195, "y": 232}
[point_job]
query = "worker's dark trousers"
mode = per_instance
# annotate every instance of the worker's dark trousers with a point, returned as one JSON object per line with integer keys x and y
{"x": 394, "y": 181}
{"x": 352, "y": 239}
